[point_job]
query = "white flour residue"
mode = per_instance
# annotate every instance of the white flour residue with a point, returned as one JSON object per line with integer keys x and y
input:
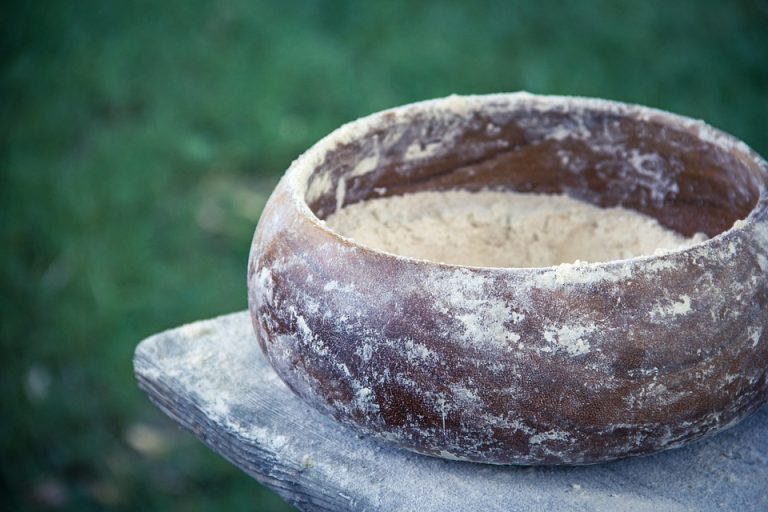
{"x": 551, "y": 435}
{"x": 502, "y": 229}
{"x": 573, "y": 339}
{"x": 481, "y": 314}
{"x": 681, "y": 306}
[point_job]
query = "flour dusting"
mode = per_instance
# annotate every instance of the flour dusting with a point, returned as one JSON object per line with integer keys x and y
{"x": 503, "y": 229}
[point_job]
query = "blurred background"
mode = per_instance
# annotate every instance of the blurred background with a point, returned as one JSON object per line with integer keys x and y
{"x": 140, "y": 140}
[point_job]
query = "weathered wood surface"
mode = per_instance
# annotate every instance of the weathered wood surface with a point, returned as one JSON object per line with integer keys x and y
{"x": 211, "y": 377}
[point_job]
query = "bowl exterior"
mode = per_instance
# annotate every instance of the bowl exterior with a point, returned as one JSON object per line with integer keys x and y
{"x": 573, "y": 364}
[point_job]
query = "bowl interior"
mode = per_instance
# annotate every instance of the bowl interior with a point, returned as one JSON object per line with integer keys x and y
{"x": 688, "y": 176}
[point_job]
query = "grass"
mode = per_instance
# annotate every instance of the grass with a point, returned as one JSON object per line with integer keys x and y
{"x": 140, "y": 140}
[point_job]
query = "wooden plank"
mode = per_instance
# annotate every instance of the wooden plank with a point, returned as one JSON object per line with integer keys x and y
{"x": 211, "y": 377}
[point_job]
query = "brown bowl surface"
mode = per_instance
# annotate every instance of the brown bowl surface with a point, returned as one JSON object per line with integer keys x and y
{"x": 570, "y": 364}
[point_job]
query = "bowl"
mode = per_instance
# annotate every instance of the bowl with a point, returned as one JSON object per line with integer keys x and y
{"x": 570, "y": 364}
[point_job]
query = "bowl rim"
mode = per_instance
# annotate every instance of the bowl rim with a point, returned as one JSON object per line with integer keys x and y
{"x": 295, "y": 179}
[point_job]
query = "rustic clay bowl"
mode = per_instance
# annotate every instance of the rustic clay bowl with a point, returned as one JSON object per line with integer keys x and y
{"x": 571, "y": 364}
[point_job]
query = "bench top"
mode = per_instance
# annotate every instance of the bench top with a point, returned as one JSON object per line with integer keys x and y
{"x": 212, "y": 378}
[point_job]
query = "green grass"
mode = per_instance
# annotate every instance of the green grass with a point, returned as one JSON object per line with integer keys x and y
{"x": 140, "y": 141}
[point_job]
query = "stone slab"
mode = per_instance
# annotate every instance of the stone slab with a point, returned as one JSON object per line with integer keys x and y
{"x": 212, "y": 378}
